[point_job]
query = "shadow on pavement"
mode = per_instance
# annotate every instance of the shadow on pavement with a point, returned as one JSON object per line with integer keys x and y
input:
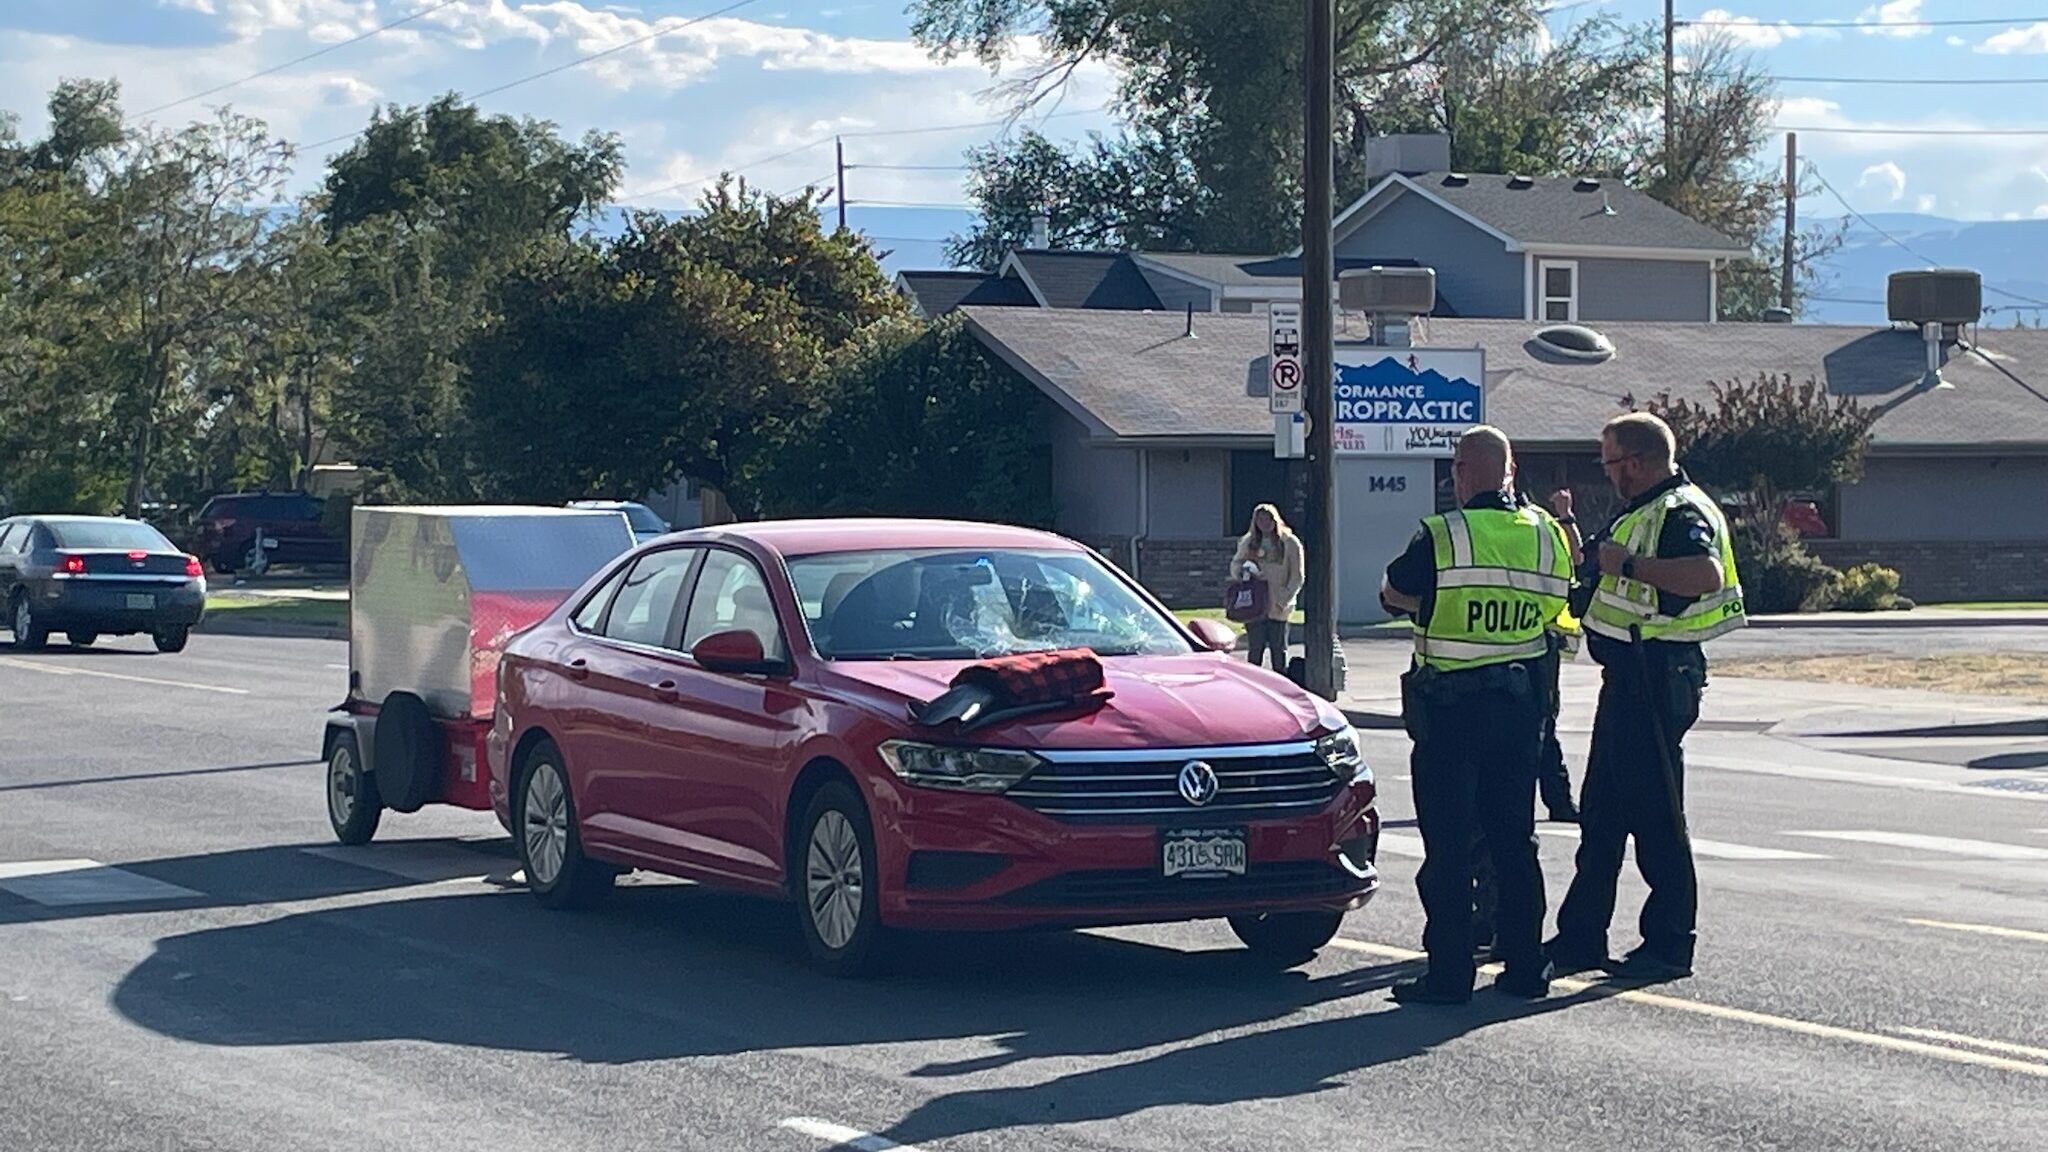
{"x": 2009, "y": 761}
{"x": 666, "y": 971}
{"x": 168, "y": 774}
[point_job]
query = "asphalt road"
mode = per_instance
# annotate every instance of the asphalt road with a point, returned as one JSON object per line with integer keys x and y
{"x": 212, "y": 972}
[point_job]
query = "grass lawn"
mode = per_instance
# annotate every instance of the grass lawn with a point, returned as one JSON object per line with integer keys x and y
{"x": 282, "y": 610}
{"x": 2023, "y": 675}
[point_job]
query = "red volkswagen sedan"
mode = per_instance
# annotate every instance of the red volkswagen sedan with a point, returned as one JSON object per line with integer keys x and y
{"x": 791, "y": 708}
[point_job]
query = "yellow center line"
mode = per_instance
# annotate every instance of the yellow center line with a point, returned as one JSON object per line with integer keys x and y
{"x": 1983, "y": 930}
{"x": 37, "y": 666}
{"x": 1766, "y": 1019}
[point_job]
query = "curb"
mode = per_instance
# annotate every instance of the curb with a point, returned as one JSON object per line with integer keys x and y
{"x": 226, "y": 625}
{"x": 1896, "y": 620}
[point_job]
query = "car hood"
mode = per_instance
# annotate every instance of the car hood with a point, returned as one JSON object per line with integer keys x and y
{"x": 1158, "y": 702}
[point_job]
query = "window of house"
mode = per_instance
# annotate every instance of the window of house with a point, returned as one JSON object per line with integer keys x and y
{"x": 1558, "y": 283}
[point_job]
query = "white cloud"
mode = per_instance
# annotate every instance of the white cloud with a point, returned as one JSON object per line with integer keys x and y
{"x": 1956, "y": 42}
{"x": 1926, "y": 202}
{"x": 332, "y": 20}
{"x": 1886, "y": 175}
{"x": 2031, "y": 40}
{"x": 1893, "y": 18}
{"x": 1747, "y": 31}
{"x": 2041, "y": 211}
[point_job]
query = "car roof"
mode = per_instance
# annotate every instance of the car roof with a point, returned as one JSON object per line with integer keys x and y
{"x": 852, "y": 534}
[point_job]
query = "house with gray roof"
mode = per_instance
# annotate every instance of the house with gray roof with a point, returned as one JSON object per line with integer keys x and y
{"x": 1162, "y": 443}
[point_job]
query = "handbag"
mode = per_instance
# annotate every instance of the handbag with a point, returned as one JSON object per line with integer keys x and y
{"x": 1245, "y": 600}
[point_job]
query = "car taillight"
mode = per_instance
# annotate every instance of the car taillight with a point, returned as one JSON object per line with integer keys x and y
{"x": 71, "y": 564}
{"x": 192, "y": 567}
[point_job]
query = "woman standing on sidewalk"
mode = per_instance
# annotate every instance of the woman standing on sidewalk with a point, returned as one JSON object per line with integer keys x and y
{"x": 1270, "y": 551}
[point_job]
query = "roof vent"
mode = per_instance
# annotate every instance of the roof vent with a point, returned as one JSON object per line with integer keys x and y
{"x": 1456, "y": 180}
{"x": 1935, "y": 296}
{"x": 1777, "y": 315}
{"x": 1586, "y": 184}
{"x": 1520, "y": 183}
{"x": 1575, "y": 342}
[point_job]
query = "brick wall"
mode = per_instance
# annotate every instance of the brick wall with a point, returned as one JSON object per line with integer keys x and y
{"x": 1186, "y": 573}
{"x": 1935, "y": 571}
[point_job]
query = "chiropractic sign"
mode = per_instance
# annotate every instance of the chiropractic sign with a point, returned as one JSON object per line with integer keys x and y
{"x": 1406, "y": 401}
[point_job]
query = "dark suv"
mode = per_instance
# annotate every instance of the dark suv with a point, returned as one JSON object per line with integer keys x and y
{"x": 227, "y": 530}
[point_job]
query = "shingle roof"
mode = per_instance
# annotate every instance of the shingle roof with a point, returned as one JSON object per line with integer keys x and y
{"x": 1254, "y": 271}
{"x": 1107, "y": 280}
{"x": 938, "y": 293}
{"x": 1138, "y": 376}
{"x": 1563, "y": 211}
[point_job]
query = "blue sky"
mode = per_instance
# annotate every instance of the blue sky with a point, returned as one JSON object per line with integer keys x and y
{"x": 764, "y": 89}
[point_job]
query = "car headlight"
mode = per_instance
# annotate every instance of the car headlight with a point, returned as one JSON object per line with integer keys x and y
{"x": 1340, "y": 751}
{"x": 957, "y": 768}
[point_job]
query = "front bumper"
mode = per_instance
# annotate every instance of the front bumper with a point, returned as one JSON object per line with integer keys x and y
{"x": 986, "y": 863}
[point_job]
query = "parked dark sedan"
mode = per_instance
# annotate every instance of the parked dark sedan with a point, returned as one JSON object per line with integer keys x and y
{"x": 93, "y": 576}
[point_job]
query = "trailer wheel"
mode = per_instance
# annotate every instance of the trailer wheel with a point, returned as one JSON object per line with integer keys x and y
{"x": 408, "y": 753}
{"x": 353, "y": 805}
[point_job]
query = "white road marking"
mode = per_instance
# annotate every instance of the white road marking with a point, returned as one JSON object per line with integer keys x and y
{"x": 843, "y": 1137}
{"x": 1747, "y": 1016}
{"x": 60, "y": 883}
{"x": 1710, "y": 849}
{"x": 1984, "y": 930}
{"x": 2006, "y": 1047}
{"x": 54, "y": 670}
{"x": 1982, "y": 849}
{"x": 1401, "y": 844}
{"x": 1851, "y": 776}
{"x": 338, "y": 667}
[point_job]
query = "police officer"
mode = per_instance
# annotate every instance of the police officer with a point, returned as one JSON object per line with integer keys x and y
{"x": 1483, "y": 584}
{"x": 1666, "y": 583}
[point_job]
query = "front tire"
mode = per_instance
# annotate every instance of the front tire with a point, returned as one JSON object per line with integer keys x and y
{"x": 353, "y": 806}
{"x": 29, "y": 635}
{"x": 835, "y": 884}
{"x": 550, "y": 849}
{"x": 1287, "y": 938}
{"x": 82, "y": 639}
{"x": 171, "y": 639}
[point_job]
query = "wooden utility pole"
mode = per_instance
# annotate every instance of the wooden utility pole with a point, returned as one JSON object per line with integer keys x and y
{"x": 1318, "y": 349}
{"x": 1791, "y": 217}
{"x": 839, "y": 151}
{"x": 1670, "y": 88}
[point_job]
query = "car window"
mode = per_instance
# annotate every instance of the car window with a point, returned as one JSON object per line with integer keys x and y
{"x": 643, "y": 519}
{"x": 592, "y": 612}
{"x": 731, "y": 594}
{"x": 7, "y": 534}
{"x": 941, "y": 605}
{"x": 646, "y": 603}
{"x": 129, "y": 534}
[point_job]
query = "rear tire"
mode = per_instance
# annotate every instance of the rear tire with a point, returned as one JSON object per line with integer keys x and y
{"x": 353, "y": 806}
{"x": 1287, "y": 938}
{"x": 29, "y": 636}
{"x": 834, "y": 882}
{"x": 172, "y": 639}
{"x": 407, "y": 747}
{"x": 82, "y": 639}
{"x": 550, "y": 847}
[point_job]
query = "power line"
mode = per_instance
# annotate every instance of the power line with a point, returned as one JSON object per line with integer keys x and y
{"x": 1908, "y": 249}
{"x": 1912, "y": 131}
{"x": 1911, "y": 81}
{"x": 1853, "y": 25}
{"x": 910, "y": 167}
{"x": 908, "y": 204}
{"x": 1977, "y": 350}
{"x": 297, "y": 60}
{"x": 735, "y": 6}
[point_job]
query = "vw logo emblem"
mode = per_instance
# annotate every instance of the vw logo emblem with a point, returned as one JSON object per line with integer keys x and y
{"x": 1197, "y": 783}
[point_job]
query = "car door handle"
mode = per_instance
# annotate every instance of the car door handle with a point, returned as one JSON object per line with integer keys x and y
{"x": 579, "y": 668}
{"x": 666, "y": 690}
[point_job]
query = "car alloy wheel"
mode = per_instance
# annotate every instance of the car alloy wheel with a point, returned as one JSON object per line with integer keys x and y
{"x": 832, "y": 880}
{"x": 545, "y": 824}
{"x": 28, "y": 634}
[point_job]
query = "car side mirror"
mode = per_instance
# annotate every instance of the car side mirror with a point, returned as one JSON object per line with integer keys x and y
{"x": 1214, "y": 634}
{"x": 735, "y": 650}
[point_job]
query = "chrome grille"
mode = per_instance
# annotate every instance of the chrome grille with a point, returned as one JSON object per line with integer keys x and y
{"x": 1258, "y": 782}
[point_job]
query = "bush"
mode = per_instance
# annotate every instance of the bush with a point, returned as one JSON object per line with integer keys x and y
{"x": 1778, "y": 574}
{"x": 1865, "y": 588}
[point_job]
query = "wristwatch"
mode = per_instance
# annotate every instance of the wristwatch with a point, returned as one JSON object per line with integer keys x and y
{"x": 1568, "y": 519}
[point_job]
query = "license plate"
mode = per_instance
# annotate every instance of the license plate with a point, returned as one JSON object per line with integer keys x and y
{"x": 1203, "y": 852}
{"x": 141, "y": 600}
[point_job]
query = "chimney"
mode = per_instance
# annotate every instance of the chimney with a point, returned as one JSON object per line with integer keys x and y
{"x": 1410, "y": 155}
{"x": 1041, "y": 230}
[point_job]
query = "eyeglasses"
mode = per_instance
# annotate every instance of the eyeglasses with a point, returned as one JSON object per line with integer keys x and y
{"x": 1606, "y": 463}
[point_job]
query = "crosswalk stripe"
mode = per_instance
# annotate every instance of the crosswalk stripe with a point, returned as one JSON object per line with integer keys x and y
{"x": 62, "y": 883}
{"x": 1982, "y": 849}
{"x": 1716, "y": 849}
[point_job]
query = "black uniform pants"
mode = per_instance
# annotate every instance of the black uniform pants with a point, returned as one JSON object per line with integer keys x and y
{"x": 1473, "y": 774}
{"x": 1630, "y": 790}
